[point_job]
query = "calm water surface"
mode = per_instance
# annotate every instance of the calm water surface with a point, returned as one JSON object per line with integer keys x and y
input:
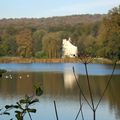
{"x": 58, "y": 83}
{"x": 94, "y": 69}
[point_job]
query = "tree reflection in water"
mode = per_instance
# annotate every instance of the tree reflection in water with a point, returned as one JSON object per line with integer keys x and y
{"x": 61, "y": 86}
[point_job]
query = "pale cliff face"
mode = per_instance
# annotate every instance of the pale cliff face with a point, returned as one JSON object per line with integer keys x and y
{"x": 69, "y": 49}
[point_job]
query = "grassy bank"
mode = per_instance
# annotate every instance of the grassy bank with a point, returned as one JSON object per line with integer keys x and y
{"x": 54, "y": 60}
{"x": 36, "y": 60}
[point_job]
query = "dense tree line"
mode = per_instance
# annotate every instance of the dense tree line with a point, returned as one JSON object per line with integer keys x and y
{"x": 109, "y": 36}
{"x": 95, "y": 35}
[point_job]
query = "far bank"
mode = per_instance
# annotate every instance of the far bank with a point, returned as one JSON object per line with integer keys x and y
{"x": 52, "y": 60}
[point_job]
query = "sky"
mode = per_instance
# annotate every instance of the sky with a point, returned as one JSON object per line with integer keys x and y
{"x": 50, "y": 8}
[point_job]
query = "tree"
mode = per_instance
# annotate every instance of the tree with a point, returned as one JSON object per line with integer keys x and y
{"x": 37, "y": 40}
{"x": 8, "y": 45}
{"x": 84, "y": 37}
{"x": 52, "y": 44}
{"x": 109, "y": 38}
{"x": 25, "y": 43}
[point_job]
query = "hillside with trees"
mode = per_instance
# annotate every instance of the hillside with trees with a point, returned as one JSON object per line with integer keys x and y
{"x": 95, "y": 35}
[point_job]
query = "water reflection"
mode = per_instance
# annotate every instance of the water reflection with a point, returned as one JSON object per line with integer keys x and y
{"x": 69, "y": 78}
{"x": 63, "y": 88}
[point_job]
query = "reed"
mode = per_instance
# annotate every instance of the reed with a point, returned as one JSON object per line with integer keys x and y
{"x": 86, "y": 60}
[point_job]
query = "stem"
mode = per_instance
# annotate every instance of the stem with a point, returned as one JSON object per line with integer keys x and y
{"x": 80, "y": 109}
{"x": 82, "y": 114}
{"x": 80, "y": 97}
{"x": 89, "y": 87}
{"x": 106, "y": 86}
{"x": 29, "y": 115}
{"x": 78, "y": 112}
{"x": 94, "y": 114}
{"x": 56, "y": 110}
{"x": 81, "y": 89}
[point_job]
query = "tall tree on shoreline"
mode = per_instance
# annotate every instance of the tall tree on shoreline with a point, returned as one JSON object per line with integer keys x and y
{"x": 25, "y": 43}
{"x": 109, "y": 38}
{"x": 52, "y": 44}
{"x": 37, "y": 40}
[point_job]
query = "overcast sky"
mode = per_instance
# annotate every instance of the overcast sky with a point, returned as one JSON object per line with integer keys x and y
{"x": 49, "y": 8}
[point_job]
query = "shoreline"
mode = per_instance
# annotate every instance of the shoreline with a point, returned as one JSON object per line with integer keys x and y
{"x": 53, "y": 60}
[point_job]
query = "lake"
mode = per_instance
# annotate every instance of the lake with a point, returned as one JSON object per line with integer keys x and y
{"x": 58, "y": 83}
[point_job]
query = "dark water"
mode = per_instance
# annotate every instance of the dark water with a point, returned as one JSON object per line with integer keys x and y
{"x": 58, "y": 83}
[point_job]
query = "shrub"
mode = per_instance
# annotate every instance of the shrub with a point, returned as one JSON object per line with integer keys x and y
{"x": 40, "y": 54}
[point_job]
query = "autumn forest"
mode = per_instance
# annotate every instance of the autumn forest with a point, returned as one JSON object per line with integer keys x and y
{"x": 94, "y": 35}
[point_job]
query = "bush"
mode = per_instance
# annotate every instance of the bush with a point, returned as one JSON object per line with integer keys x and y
{"x": 2, "y": 71}
{"x": 40, "y": 54}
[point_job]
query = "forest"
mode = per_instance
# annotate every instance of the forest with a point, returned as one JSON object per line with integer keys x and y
{"x": 95, "y": 35}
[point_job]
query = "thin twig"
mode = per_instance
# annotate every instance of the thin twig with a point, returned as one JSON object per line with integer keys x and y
{"x": 86, "y": 59}
{"x": 80, "y": 109}
{"x": 56, "y": 110}
{"x": 29, "y": 115}
{"x": 78, "y": 112}
{"x": 90, "y": 60}
{"x": 4, "y": 111}
{"x": 106, "y": 86}
{"x": 82, "y": 114}
{"x": 89, "y": 87}
{"x": 81, "y": 89}
{"x": 80, "y": 99}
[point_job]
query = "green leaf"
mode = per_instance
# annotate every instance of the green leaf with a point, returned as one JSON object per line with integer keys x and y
{"x": 11, "y": 106}
{"x": 16, "y": 106}
{"x": 0, "y": 74}
{"x": 23, "y": 101}
{"x": 8, "y": 106}
{"x": 34, "y": 101}
{"x": 31, "y": 110}
{"x": 19, "y": 105}
{"x": 19, "y": 116}
{"x": 17, "y": 112}
{"x": 6, "y": 113}
{"x": 2, "y": 71}
{"x": 39, "y": 91}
